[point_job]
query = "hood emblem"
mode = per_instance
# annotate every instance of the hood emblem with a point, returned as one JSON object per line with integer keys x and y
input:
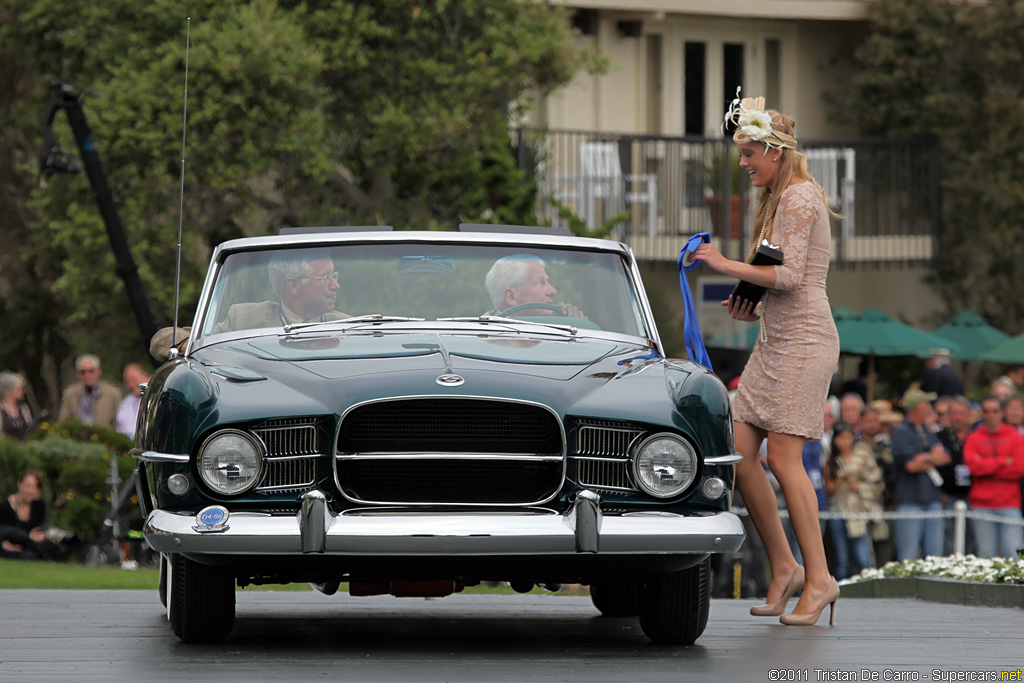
{"x": 211, "y": 520}
{"x": 450, "y": 380}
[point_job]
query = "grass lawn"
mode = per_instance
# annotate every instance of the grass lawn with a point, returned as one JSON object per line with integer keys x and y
{"x": 26, "y": 574}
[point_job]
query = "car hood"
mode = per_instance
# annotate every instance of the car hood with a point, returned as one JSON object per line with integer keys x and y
{"x": 258, "y": 378}
{"x": 344, "y": 370}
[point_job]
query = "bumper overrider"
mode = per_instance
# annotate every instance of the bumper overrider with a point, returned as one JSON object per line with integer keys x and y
{"x": 315, "y": 529}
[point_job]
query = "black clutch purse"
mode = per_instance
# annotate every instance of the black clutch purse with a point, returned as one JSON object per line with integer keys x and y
{"x": 766, "y": 255}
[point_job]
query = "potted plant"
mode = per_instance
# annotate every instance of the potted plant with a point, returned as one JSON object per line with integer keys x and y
{"x": 724, "y": 181}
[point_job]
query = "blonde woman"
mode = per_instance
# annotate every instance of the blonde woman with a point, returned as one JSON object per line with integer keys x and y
{"x": 783, "y": 389}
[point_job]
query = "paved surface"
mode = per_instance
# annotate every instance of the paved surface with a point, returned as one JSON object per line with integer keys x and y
{"x": 51, "y": 635}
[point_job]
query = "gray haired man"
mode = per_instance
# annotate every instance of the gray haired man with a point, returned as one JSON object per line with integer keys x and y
{"x": 520, "y": 279}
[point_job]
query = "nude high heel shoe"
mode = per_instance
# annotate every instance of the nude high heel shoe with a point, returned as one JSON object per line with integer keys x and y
{"x": 831, "y": 596}
{"x": 774, "y": 609}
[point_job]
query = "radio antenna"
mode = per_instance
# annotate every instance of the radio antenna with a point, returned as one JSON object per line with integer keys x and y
{"x": 181, "y": 197}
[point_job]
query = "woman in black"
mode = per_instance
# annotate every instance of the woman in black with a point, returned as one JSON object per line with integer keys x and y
{"x": 23, "y": 522}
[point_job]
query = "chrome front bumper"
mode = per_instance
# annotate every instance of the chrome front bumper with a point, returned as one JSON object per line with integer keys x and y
{"x": 316, "y": 530}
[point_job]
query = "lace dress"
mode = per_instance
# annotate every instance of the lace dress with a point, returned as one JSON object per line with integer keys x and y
{"x": 785, "y": 384}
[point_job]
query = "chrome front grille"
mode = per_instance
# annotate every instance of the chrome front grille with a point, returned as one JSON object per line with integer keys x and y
{"x": 602, "y": 454}
{"x": 598, "y": 441}
{"x": 289, "y": 437}
{"x": 450, "y": 451}
{"x": 293, "y": 445}
{"x": 604, "y": 474}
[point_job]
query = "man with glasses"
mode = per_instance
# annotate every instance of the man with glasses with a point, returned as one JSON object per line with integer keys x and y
{"x": 91, "y": 399}
{"x": 306, "y": 284}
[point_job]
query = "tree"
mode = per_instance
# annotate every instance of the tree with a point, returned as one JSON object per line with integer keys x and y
{"x": 299, "y": 113}
{"x": 955, "y": 72}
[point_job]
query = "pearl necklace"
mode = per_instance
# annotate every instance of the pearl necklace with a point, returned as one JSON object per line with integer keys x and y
{"x": 759, "y": 309}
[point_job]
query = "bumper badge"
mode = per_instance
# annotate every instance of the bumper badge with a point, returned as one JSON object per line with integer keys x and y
{"x": 212, "y": 519}
{"x": 450, "y": 380}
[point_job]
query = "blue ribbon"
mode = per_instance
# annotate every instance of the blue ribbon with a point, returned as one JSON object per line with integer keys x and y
{"x": 691, "y": 329}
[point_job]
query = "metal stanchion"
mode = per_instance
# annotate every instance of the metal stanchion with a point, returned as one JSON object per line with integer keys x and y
{"x": 959, "y": 526}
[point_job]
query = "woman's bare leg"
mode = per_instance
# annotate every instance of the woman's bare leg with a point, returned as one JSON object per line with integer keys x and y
{"x": 785, "y": 458}
{"x": 759, "y": 497}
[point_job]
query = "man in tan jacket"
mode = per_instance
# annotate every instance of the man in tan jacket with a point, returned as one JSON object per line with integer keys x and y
{"x": 307, "y": 284}
{"x": 91, "y": 400}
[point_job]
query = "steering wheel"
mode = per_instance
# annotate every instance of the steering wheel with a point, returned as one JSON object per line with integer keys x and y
{"x": 532, "y": 307}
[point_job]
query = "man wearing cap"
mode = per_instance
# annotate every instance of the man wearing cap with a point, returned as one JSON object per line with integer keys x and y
{"x": 940, "y": 378}
{"x": 916, "y": 452}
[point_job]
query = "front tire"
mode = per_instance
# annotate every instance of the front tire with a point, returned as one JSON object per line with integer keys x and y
{"x": 674, "y": 607}
{"x": 202, "y": 601}
{"x": 161, "y": 584}
{"x": 620, "y": 599}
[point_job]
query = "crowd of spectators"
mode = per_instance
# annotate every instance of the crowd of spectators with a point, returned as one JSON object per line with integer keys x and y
{"x": 24, "y": 531}
{"x": 918, "y": 456}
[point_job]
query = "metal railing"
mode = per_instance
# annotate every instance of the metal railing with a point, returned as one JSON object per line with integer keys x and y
{"x": 657, "y": 190}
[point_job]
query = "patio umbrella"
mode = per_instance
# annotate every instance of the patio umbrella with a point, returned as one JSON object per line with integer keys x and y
{"x": 842, "y": 313}
{"x": 972, "y": 334}
{"x": 1010, "y": 351}
{"x": 739, "y": 339}
{"x": 873, "y": 333}
{"x": 745, "y": 338}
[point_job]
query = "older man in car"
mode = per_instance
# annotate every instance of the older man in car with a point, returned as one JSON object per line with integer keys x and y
{"x": 520, "y": 279}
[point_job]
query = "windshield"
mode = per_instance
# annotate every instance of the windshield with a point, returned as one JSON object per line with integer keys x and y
{"x": 296, "y": 286}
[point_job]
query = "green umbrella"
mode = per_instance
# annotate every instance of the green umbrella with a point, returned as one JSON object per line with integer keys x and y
{"x": 873, "y": 333}
{"x": 744, "y": 339}
{"x": 1010, "y": 351}
{"x": 972, "y": 334}
{"x": 740, "y": 339}
{"x": 842, "y": 313}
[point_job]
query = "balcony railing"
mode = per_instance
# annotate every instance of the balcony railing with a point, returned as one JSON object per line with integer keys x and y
{"x": 659, "y": 190}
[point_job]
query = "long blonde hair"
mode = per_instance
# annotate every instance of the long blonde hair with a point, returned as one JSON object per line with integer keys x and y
{"x": 792, "y": 165}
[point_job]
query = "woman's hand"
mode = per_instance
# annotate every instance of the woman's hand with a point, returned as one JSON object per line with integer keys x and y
{"x": 741, "y": 309}
{"x": 709, "y": 254}
{"x": 37, "y": 535}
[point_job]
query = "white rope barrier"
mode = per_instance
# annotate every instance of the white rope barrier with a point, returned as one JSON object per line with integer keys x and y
{"x": 832, "y": 514}
{"x": 959, "y": 514}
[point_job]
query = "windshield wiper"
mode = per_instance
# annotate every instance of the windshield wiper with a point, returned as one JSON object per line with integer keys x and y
{"x": 372, "y": 318}
{"x": 508, "y": 321}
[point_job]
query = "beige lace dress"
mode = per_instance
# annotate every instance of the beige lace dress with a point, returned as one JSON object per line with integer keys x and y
{"x": 785, "y": 384}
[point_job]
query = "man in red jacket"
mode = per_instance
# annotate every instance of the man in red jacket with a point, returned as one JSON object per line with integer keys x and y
{"x": 994, "y": 452}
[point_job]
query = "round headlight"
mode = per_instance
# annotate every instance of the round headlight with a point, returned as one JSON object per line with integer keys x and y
{"x": 664, "y": 465}
{"x": 230, "y": 462}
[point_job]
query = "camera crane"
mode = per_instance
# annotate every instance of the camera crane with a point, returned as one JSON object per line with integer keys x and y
{"x": 53, "y": 159}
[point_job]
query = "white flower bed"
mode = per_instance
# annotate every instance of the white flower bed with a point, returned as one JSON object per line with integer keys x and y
{"x": 959, "y": 567}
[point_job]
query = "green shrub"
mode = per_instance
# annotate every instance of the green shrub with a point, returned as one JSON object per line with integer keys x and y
{"x": 75, "y": 461}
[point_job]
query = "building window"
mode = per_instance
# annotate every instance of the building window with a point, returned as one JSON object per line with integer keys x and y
{"x": 772, "y": 71}
{"x": 654, "y": 81}
{"x": 732, "y": 72}
{"x": 694, "y": 63}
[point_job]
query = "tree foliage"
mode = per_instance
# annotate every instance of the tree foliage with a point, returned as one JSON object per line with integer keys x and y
{"x": 955, "y": 71}
{"x": 299, "y": 113}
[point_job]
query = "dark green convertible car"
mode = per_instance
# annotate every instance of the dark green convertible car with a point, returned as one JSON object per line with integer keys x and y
{"x": 409, "y": 413}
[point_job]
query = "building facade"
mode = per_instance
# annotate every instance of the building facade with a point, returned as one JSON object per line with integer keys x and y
{"x": 641, "y": 140}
